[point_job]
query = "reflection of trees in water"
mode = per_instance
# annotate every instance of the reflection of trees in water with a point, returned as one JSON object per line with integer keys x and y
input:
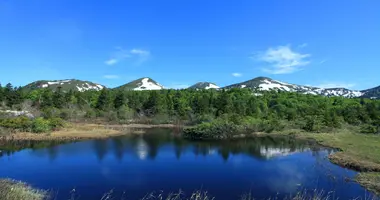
{"x": 101, "y": 148}
{"x": 148, "y": 146}
{"x": 52, "y": 152}
{"x": 10, "y": 147}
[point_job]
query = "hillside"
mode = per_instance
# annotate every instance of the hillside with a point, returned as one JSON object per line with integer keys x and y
{"x": 65, "y": 85}
{"x": 373, "y": 93}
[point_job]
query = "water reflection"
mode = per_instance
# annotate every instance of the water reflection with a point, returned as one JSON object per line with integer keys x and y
{"x": 147, "y": 146}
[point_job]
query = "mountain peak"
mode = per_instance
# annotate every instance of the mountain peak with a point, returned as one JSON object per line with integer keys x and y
{"x": 144, "y": 83}
{"x": 65, "y": 85}
{"x": 204, "y": 85}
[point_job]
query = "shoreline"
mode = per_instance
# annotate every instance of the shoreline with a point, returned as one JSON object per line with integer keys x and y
{"x": 83, "y": 131}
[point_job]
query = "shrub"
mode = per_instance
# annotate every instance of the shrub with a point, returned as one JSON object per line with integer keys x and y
{"x": 111, "y": 116}
{"x": 368, "y": 129}
{"x": 90, "y": 114}
{"x": 40, "y": 125}
{"x": 21, "y": 123}
{"x": 50, "y": 112}
{"x": 56, "y": 123}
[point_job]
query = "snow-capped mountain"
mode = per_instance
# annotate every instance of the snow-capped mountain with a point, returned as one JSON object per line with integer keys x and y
{"x": 142, "y": 84}
{"x": 204, "y": 85}
{"x": 266, "y": 84}
{"x": 65, "y": 85}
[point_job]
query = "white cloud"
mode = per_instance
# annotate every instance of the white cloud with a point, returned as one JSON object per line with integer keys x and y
{"x": 121, "y": 54}
{"x": 282, "y": 60}
{"x": 237, "y": 74}
{"x": 336, "y": 85}
{"x": 111, "y": 76}
{"x": 140, "y": 52}
{"x": 111, "y": 61}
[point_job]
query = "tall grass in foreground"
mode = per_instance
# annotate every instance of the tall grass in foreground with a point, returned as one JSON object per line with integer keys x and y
{"x": 204, "y": 195}
{"x": 15, "y": 190}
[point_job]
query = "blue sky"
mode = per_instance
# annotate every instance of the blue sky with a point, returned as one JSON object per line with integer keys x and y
{"x": 178, "y": 43}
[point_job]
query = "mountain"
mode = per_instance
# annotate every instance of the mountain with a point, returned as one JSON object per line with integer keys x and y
{"x": 373, "y": 93}
{"x": 142, "y": 84}
{"x": 66, "y": 85}
{"x": 204, "y": 85}
{"x": 266, "y": 84}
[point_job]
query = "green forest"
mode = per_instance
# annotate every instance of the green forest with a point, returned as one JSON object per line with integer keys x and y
{"x": 211, "y": 111}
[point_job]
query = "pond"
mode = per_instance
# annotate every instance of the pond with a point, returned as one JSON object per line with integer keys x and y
{"x": 133, "y": 166}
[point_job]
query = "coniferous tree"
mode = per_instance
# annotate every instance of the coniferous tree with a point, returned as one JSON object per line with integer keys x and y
{"x": 58, "y": 98}
{"x": 104, "y": 100}
{"x": 1, "y": 94}
{"x": 119, "y": 99}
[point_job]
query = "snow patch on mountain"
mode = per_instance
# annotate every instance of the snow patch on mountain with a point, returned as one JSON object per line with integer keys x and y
{"x": 61, "y": 82}
{"x": 267, "y": 84}
{"x": 146, "y": 84}
{"x": 212, "y": 86}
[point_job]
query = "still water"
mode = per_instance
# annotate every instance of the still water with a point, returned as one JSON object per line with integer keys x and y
{"x": 132, "y": 166}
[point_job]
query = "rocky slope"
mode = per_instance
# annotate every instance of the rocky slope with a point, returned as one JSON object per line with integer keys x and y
{"x": 65, "y": 85}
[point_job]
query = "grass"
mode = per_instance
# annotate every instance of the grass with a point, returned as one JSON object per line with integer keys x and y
{"x": 204, "y": 195}
{"x": 370, "y": 181}
{"x": 71, "y": 132}
{"x": 14, "y": 190}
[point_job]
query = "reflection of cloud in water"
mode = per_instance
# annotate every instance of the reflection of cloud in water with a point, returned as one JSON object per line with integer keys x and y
{"x": 142, "y": 149}
{"x": 288, "y": 177}
{"x": 270, "y": 152}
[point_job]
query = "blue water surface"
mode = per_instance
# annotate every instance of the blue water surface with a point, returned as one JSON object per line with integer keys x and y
{"x": 162, "y": 162}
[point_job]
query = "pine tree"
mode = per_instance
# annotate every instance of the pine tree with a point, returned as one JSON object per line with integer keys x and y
{"x": 1, "y": 94}
{"x": 119, "y": 100}
{"x": 58, "y": 98}
{"x": 104, "y": 101}
{"x": 47, "y": 98}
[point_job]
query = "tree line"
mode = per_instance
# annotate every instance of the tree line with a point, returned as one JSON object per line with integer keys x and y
{"x": 196, "y": 106}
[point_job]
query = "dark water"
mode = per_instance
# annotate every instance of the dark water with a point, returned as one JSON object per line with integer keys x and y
{"x": 160, "y": 160}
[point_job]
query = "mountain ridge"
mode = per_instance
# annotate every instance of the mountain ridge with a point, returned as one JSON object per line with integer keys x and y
{"x": 64, "y": 84}
{"x": 260, "y": 83}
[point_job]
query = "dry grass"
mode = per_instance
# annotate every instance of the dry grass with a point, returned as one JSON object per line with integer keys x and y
{"x": 370, "y": 181}
{"x": 71, "y": 132}
{"x": 13, "y": 190}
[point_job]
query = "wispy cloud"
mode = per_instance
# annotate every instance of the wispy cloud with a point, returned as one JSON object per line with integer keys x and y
{"x": 140, "y": 52}
{"x": 336, "y": 85}
{"x": 142, "y": 55}
{"x": 322, "y": 61}
{"x": 111, "y": 61}
{"x": 237, "y": 74}
{"x": 121, "y": 54}
{"x": 302, "y": 45}
{"x": 282, "y": 60}
{"x": 111, "y": 76}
